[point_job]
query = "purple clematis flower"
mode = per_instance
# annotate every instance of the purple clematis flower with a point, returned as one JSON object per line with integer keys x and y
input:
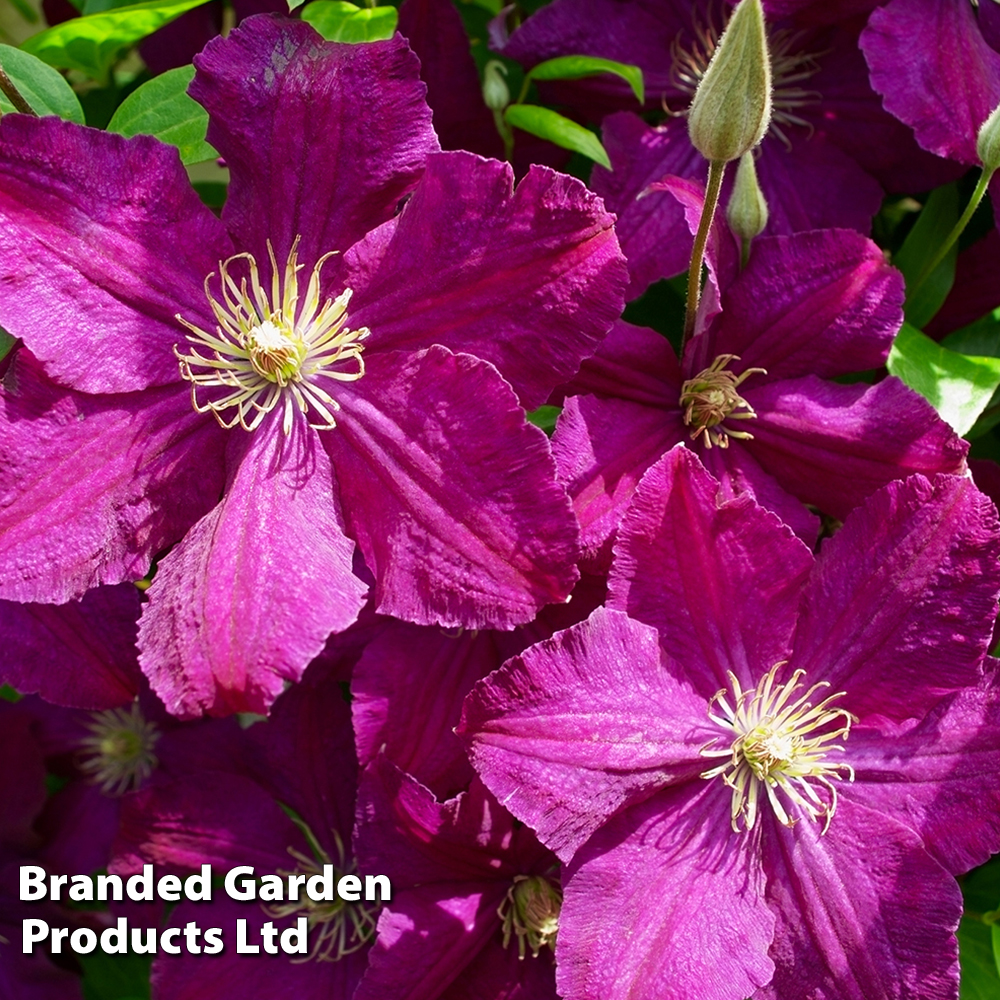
{"x": 765, "y": 767}
{"x": 329, "y": 334}
{"x": 285, "y": 806}
{"x": 754, "y": 395}
{"x": 476, "y": 898}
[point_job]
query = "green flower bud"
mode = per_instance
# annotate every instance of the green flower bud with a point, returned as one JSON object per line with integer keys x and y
{"x": 747, "y": 208}
{"x": 531, "y": 911}
{"x": 988, "y": 141}
{"x": 496, "y": 93}
{"x": 732, "y": 105}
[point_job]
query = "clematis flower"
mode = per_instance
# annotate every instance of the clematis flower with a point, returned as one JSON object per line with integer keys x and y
{"x": 754, "y": 395}
{"x": 476, "y": 898}
{"x": 285, "y": 807}
{"x": 764, "y": 767}
{"x": 320, "y": 362}
{"x": 830, "y": 150}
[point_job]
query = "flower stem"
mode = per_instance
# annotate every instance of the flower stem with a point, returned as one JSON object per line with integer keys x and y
{"x": 14, "y": 95}
{"x": 716, "y": 171}
{"x": 957, "y": 230}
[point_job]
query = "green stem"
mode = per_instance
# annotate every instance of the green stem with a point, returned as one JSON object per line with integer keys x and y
{"x": 14, "y": 95}
{"x": 957, "y": 230}
{"x": 506, "y": 133}
{"x": 716, "y": 171}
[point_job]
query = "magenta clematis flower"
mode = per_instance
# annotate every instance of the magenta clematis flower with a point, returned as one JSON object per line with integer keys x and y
{"x": 830, "y": 150}
{"x": 285, "y": 806}
{"x": 476, "y": 898}
{"x": 321, "y": 361}
{"x": 754, "y": 395}
{"x": 766, "y": 768}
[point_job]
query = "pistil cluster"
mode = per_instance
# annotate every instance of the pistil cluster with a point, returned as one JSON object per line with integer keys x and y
{"x": 336, "y": 928}
{"x": 530, "y": 911}
{"x": 118, "y": 754}
{"x": 272, "y": 350}
{"x": 710, "y": 398}
{"x": 781, "y": 741}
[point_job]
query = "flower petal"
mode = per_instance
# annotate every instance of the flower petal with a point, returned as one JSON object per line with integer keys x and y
{"x": 80, "y": 654}
{"x": 900, "y": 607}
{"x": 666, "y": 903}
{"x": 818, "y": 303}
{"x": 250, "y": 595}
{"x": 450, "y": 493}
{"x": 102, "y": 242}
{"x": 322, "y": 139}
{"x": 529, "y": 279}
{"x": 935, "y": 72}
{"x": 92, "y": 487}
{"x": 581, "y": 725}
{"x": 685, "y": 563}
{"x": 864, "y": 913}
{"x": 833, "y": 445}
{"x": 941, "y": 777}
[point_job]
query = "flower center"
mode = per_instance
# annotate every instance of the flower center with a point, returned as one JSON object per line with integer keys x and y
{"x": 340, "y": 927}
{"x": 790, "y": 68}
{"x": 531, "y": 911}
{"x": 776, "y": 743}
{"x": 271, "y": 351}
{"x": 711, "y": 397}
{"x": 118, "y": 753}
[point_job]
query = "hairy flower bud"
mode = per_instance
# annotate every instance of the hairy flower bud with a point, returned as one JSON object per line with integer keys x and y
{"x": 988, "y": 141}
{"x": 747, "y": 208}
{"x": 496, "y": 93}
{"x": 732, "y": 105}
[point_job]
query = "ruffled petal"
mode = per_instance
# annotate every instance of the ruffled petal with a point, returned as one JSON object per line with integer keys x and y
{"x": 900, "y": 608}
{"x": 81, "y": 654}
{"x": 941, "y": 777}
{"x": 864, "y": 913}
{"x": 581, "y": 725}
{"x": 934, "y": 70}
{"x": 833, "y": 445}
{"x": 529, "y": 279}
{"x": 685, "y": 563}
{"x": 819, "y": 303}
{"x": 450, "y": 493}
{"x": 250, "y": 595}
{"x": 666, "y": 903}
{"x": 322, "y": 139}
{"x": 102, "y": 242}
{"x": 92, "y": 487}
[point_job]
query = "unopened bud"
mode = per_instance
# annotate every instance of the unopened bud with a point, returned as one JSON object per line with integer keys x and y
{"x": 732, "y": 105}
{"x": 496, "y": 93}
{"x": 988, "y": 141}
{"x": 747, "y": 208}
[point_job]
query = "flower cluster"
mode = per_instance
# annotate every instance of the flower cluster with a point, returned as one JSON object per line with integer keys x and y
{"x": 687, "y": 694}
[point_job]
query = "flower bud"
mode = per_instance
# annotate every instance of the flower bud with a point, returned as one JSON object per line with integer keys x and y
{"x": 496, "y": 93}
{"x": 988, "y": 141}
{"x": 747, "y": 208}
{"x": 732, "y": 105}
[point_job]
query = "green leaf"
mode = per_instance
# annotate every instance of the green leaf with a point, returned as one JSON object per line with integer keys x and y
{"x": 578, "y": 67}
{"x": 547, "y": 124}
{"x": 959, "y": 386}
{"x": 979, "y": 972}
{"x": 930, "y": 231}
{"x": 339, "y": 21}
{"x": 981, "y": 337}
{"x": 115, "y": 977}
{"x": 294, "y": 5}
{"x": 40, "y": 85}
{"x": 161, "y": 107}
{"x": 545, "y": 417}
{"x": 93, "y": 43}
{"x": 6, "y": 343}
